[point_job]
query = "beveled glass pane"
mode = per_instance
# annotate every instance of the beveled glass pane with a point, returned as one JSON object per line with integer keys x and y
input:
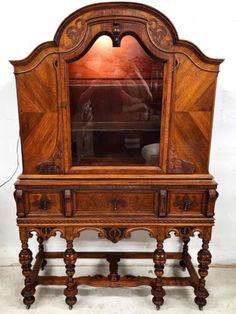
{"x": 115, "y": 105}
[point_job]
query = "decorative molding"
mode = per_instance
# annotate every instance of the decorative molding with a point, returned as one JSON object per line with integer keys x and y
{"x": 183, "y": 231}
{"x": 110, "y": 220}
{"x": 159, "y": 34}
{"x": 149, "y": 230}
{"x": 53, "y": 165}
{"x": 46, "y": 232}
{"x": 177, "y": 165}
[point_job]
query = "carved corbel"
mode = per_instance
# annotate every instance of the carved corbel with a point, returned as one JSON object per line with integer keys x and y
{"x": 212, "y": 197}
{"x": 19, "y": 198}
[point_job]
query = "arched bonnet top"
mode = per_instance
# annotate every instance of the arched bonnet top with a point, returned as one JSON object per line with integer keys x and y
{"x": 119, "y": 16}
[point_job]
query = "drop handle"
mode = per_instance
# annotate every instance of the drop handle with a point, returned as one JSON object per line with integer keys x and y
{"x": 187, "y": 203}
{"x": 43, "y": 204}
{"x": 116, "y": 203}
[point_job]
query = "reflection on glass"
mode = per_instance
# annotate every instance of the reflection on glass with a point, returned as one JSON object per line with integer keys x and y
{"x": 115, "y": 105}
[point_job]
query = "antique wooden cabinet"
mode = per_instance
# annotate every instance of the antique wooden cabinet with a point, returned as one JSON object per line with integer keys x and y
{"x": 115, "y": 121}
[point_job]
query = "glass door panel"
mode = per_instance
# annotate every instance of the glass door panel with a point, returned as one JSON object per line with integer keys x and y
{"x": 115, "y": 105}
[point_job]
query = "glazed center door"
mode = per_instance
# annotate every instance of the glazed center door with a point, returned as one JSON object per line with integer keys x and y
{"x": 115, "y": 105}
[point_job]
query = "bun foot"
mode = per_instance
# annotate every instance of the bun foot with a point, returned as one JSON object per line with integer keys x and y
{"x": 70, "y": 307}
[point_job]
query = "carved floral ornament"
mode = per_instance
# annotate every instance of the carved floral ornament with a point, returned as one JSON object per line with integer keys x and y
{"x": 74, "y": 33}
{"x": 159, "y": 34}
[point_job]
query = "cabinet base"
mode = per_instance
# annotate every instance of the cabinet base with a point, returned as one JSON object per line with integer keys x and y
{"x": 114, "y": 280}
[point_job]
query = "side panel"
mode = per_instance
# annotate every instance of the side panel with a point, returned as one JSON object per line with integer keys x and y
{"x": 38, "y": 99}
{"x": 192, "y": 114}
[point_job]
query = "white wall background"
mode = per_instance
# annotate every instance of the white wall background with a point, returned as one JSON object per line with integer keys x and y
{"x": 209, "y": 24}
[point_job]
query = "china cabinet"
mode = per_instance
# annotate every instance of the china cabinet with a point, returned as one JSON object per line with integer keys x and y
{"x": 115, "y": 122}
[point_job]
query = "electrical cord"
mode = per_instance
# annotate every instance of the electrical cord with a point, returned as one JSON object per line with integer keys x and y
{"x": 17, "y": 164}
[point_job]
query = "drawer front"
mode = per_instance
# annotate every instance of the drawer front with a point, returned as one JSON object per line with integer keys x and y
{"x": 43, "y": 203}
{"x": 186, "y": 203}
{"x": 115, "y": 201}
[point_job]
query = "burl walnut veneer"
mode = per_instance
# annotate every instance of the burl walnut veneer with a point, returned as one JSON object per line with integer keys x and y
{"x": 115, "y": 121}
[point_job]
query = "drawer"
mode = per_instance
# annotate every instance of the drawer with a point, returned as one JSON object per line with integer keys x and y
{"x": 115, "y": 201}
{"x": 186, "y": 203}
{"x": 49, "y": 203}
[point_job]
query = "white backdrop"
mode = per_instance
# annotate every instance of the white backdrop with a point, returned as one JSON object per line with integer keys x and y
{"x": 211, "y": 25}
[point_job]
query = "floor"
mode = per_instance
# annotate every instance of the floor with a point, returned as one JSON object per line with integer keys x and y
{"x": 221, "y": 284}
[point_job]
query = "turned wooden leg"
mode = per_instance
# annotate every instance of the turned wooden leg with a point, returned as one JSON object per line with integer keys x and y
{"x": 25, "y": 258}
{"x": 41, "y": 251}
{"x": 204, "y": 260}
{"x": 113, "y": 267}
{"x": 159, "y": 259}
{"x": 70, "y": 257}
{"x": 185, "y": 252}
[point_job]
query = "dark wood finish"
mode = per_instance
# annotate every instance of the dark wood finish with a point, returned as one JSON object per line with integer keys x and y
{"x": 175, "y": 195}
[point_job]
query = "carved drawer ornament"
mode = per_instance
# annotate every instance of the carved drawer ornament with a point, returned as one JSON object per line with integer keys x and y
{"x": 114, "y": 234}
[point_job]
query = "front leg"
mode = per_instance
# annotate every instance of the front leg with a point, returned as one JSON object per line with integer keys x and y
{"x": 204, "y": 260}
{"x": 159, "y": 259}
{"x": 25, "y": 258}
{"x": 70, "y": 257}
